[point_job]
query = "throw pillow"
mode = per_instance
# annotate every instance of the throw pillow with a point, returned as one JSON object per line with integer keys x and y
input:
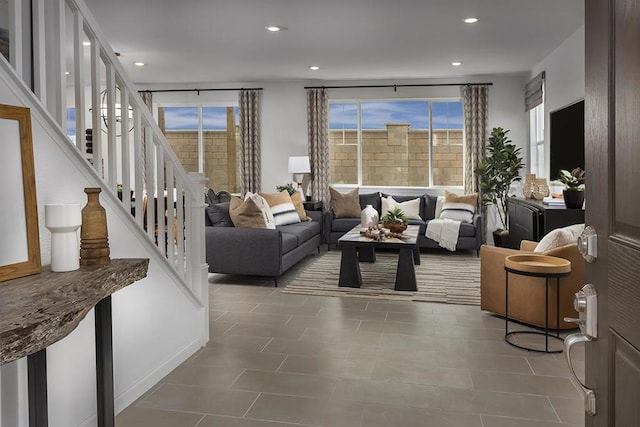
{"x": 296, "y": 198}
{"x": 246, "y": 213}
{"x": 264, "y": 207}
{"x": 282, "y": 207}
{"x": 345, "y": 205}
{"x": 459, "y": 208}
{"x": 559, "y": 237}
{"x": 411, "y": 208}
{"x": 218, "y": 214}
{"x": 430, "y": 203}
{"x": 439, "y": 203}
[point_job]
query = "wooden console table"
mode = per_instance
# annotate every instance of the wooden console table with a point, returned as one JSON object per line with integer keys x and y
{"x": 39, "y": 310}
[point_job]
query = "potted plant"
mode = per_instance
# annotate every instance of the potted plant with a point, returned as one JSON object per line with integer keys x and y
{"x": 289, "y": 187}
{"x": 395, "y": 220}
{"x": 573, "y": 191}
{"x": 497, "y": 171}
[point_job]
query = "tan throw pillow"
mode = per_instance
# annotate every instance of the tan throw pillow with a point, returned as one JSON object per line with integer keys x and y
{"x": 246, "y": 213}
{"x": 345, "y": 205}
{"x": 296, "y": 198}
{"x": 459, "y": 208}
{"x": 559, "y": 237}
{"x": 282, "y": 207}
{"x": 264, "y": 207}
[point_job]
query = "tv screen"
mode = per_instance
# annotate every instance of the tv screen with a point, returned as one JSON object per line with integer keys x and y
{"x": 566, "y": 139}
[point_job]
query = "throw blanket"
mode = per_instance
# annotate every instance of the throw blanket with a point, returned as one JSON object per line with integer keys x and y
{"x": 444, "y": 231}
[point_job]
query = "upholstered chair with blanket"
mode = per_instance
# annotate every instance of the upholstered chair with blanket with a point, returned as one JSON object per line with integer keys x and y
{"x": 527, "y": 294}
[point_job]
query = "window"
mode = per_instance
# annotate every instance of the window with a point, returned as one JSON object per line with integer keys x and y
{"x": 211, "y": 148}
{"x": 536, "y": 129}
{"x": 410, "y": 143}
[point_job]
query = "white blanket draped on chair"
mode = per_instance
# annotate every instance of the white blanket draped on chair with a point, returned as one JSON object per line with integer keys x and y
{"x": 444, "y": 231}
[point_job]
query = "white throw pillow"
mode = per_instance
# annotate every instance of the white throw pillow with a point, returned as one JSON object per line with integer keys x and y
{"x": 269, "y": 220}
{"x": 439, "y": 203}
{"x": 560, "y": 237}
{"x": 411, "y": 208}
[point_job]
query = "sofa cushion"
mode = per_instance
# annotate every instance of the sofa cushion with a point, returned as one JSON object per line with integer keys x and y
{"x": 344, "y": 224}
{"x": 248, "y": 213}
{"x": 296, "y": 198}
{"x": 303, "y": 231}
{"x": 459, "y": 208}
{"x": 372, "y": 199}
{"x": 289, "y": 242}
{"x": 218, "y": 215}
{"x": 466, "y": 229}
{"x": 284, "y": 212}
{"x": 345, "y": 205}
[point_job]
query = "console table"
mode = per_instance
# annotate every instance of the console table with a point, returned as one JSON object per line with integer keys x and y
{"x": 39, "y": 310}
{"x": 531, "y": 219}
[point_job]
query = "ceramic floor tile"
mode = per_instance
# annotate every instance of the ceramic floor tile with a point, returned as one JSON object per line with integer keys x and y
{"x": 203, "y": 400}
{"x": 513, "y": 364}
{"x": 285, "y": 383}
{"x": 420, "y": 372}
{"x": 336, "y": 323}
{"x": 472, "y": 333}
{"x": 384, "y": 392}
{"x": 237, "y": 359}
{"x": 553, "y": 367}
{"x": 493, "y": 421}
{"x": 144, "y": 417}
{"x": 217, "y": 329}
{"x": 332, "y": 336}
{"x": 420, "y": 317}
{"x": 204, "y": 376}
{"x": 278, "y": 299}
{"x": 305, "y": 348}
{"x": 328, "y": 367}
{"x": 302, "y": 310}
{"x": 337, "y": 303}
{"x": 387, "y": 416}
{"x": 400, "y": 307}
{"x": 493, "y": 403}
{"x": 222, "y": 305}
{"x": 529, "y": 384}
{"x": 352, "y": 314}
{"x": 246, "y": 343}
{"x": 257, "y": 318}
{"x": 275, "y": 331}
{"x": 398, "y": 328}
{"x": 220, "y": 421}
{"x": 569, "y": 410}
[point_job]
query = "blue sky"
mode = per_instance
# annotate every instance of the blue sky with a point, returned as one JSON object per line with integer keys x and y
{"x": 186, "y": 118}
{"x": 71, "y": 121}
{"x": 446, "y": 115}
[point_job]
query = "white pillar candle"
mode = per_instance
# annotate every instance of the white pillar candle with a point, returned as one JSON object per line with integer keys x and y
{"x": 63, "y": 220}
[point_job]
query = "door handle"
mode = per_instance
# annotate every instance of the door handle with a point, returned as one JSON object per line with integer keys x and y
{"x": 588, "y": 394}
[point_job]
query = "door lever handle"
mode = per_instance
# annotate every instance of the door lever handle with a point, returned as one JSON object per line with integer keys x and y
{"x": 578, "y": 322}
{"x": 589, "y": 394}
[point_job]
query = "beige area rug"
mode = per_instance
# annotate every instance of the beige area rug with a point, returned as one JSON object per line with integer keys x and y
{"x": 442, "y": 277}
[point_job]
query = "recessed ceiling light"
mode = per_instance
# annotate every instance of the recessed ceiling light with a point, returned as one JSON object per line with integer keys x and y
{"x": 139, "y": 64}
{"x": 66, "y": 73}
{"x": 470, "y": 20}
{"x": 456, "y": 63}
{"x": 314, "y": 68}
{"x": 86, "y": 43}
{"x": 275, "y": 28}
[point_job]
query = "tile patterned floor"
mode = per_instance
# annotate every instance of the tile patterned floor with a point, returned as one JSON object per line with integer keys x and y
{"x": 290, "y": 360}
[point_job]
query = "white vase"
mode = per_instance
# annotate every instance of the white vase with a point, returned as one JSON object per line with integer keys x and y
{"x": 63, "y": 220}
{"x": 368, "y": 217}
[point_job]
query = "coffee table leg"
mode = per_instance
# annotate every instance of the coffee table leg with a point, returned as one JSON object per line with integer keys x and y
{"x": 406, "y": 272}
{"x": 366, "y": 254}
{"x": 349, "y": 268}
{"x": 416, "y": 256}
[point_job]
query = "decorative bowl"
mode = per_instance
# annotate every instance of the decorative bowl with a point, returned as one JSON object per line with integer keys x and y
{"x": 395, "y": 227}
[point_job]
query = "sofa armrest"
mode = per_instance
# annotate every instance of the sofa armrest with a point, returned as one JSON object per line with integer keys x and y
{"x": 239, "y": 250}
{"x": 315, "y": 215}
{"x": 528, "y": 245}
{"x": 328, "y": 225}
{"x": 477, "y": 224}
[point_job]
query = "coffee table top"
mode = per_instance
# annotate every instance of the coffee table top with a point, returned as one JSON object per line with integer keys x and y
{"x": 409, "y": 237}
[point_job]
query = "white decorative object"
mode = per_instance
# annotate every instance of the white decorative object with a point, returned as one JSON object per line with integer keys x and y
{"x": 299, "y": 166}
{"x": 63, "y": 220}
{"x": 368, "y": 217}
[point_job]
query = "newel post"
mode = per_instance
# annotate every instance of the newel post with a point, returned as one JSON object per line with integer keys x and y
{"x": 197, "y": 268}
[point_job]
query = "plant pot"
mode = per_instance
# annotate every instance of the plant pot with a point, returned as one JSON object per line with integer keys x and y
{"x": 573, "y": 199}
{"x": 501, "y": 238}
{"x": 395, "y": 227}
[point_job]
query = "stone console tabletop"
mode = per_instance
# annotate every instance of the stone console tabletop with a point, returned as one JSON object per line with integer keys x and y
{"x": 39, "y": 310}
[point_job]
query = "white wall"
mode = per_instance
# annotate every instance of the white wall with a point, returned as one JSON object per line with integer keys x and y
{"x": 156, "y": 326}
{"x": 564, "y": 80}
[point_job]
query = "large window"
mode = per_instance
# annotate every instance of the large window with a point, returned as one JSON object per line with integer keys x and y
{"x": 211, "y": 148}
{"x": 412, "y": 143}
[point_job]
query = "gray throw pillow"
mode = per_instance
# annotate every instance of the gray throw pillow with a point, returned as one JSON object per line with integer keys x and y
{"x": 219, "y": 215}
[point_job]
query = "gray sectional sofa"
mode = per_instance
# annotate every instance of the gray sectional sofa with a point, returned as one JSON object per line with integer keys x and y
{"x": 257, "y": 251}
{"x": 470, "y": 236}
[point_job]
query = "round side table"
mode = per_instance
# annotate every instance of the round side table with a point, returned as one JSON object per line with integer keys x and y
{"x": 543, "y": 266}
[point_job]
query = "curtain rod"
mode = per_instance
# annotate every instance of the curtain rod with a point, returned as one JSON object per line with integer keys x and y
{"x": 200, "y": 90}
{"x": 395, "y": 87}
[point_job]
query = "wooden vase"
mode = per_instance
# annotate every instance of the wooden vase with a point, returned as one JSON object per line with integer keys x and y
{"x": 94, "y": 237}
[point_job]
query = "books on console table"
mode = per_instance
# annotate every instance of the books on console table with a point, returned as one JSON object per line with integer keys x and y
{"x": 553, "y": 201}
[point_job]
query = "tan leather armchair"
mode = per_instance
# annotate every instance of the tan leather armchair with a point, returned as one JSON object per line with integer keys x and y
{"x": 526, "y": 294}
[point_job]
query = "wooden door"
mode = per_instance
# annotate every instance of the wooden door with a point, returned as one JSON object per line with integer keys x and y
{"x": 612, "y": 139}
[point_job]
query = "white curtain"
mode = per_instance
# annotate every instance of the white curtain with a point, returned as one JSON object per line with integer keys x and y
{"x": 250, "y": 154}
{"x": 318, "y": 129}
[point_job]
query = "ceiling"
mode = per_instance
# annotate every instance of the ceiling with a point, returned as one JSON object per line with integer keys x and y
{"x": 190, "y": 41}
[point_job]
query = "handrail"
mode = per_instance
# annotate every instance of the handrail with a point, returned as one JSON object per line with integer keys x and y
{"x": 134, "y": 154}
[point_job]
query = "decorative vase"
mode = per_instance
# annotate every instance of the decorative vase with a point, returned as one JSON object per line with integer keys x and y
{"x": 94, "y": 238}
{"x": 368, "y": 217}
{"x": 395, "y": 227}
{"x": 63, "y": 220}
{"x": 529, "y": 185}
{"x": 573, "y": 199}
{"x": 541, "y": 189}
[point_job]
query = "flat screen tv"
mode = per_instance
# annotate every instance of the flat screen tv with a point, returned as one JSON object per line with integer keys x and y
{"x": 566, "y": 138}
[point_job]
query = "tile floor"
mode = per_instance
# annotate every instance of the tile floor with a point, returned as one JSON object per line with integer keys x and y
{"x": 290, "y": 360}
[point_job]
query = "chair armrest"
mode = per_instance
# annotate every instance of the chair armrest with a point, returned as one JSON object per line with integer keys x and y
{"x": 528, "y": 245}
{"x": 477, "y": 224}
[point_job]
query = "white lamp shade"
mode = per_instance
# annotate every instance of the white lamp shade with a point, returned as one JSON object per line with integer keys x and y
{"x": 299, "y": 164}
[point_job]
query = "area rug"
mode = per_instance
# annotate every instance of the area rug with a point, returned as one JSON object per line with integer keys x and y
{"x": 442, "y": 277}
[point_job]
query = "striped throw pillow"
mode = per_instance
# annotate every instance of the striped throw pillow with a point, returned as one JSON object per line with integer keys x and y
{"x": 284, "y": 212}
{"x": 459, "y": 208}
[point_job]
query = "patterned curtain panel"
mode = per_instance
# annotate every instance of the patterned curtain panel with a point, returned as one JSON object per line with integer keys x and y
{"x": 475, "y": 100}
{"x": 318, "y": 128}
{"x": 249, "y": 101}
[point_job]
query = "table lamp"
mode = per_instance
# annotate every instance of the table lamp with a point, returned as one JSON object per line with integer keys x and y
{"x": 298, "y": 166}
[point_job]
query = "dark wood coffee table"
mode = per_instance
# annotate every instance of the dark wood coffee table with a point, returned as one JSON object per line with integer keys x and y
{"x": 356, "y": 248}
